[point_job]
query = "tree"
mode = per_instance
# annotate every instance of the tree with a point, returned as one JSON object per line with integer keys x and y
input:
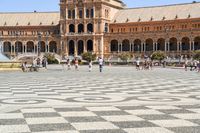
{"x": 197, "y": 55}
{"x": 124, "y": 56}
{"x": 89, "y": 56}
{"x": 51, "y": 58}
{"x": 158, "y": 55}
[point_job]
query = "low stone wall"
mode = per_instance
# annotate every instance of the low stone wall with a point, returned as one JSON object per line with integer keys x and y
{"x": 6, "y": 66}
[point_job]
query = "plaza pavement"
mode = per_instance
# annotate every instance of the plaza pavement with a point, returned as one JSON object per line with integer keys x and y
{"x": 119, "y": 100}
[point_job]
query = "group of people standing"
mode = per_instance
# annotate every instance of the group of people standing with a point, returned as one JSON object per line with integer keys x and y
{"x": 75, "y": 62}
{"x": 36, "y": 64}
{"x": 146, "y": 65}
{"x": 193, "y": 65}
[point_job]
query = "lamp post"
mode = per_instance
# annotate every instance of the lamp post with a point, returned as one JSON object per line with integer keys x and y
{"x": 46, "y": 47}
{"x": 17, "y": 47}
{"x": 1, "y": 43}
{"x": 39, "y": 43}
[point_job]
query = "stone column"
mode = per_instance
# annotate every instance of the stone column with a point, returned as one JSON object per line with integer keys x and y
{"x": 178, "y": 47}
{"x": 133, "y": 47}
{"x": 166, "y": 46}
{"x": 130, "y": 47}
{"x": 75, "y": 48}
{"x": 154, "y": 47}
{"x": 85, "y": 46}
{"x": 144, "y": 47}
{"x": 102, "y": 47}
{"x": 118, "y": 47}
{"x": 193, "y": 46}
{"x": 94, "y": 11}
{"x": 190, "y": 45}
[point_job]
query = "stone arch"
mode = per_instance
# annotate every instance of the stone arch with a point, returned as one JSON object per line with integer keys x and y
{"x": 114, "y": 46}
{"x": 173, "y": 44}
{"x": 161, "y": 44}
{"x": 80, "y": 47}
{"x": 53, "y": 47}
{"x": 80, "y": 28}
{"x": 185, "y": 43}
{"x": 71, "y": 28}
{"x": 18, "y": 47}
{"x": 7, "y": 46}
{"x": 137, "y": 45}
{"x": 30, "y": 46}
{"x": 126, "y": 45}
{"x": 197, "y": 43}
{"x": 90, "y": 28}
{"x": 89, "y": 45}
{"x": 71, "y": 46}
{"x": 149, "y": 44}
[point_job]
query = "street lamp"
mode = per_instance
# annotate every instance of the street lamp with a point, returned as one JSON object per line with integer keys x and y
{"x": 39, "y": 43}
{"x": 46, "y": 47}
{"x": 17, "y": 47}
{"x": 1, "y": 43}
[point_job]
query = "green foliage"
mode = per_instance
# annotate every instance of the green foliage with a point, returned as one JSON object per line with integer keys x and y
{"x": 89, "y": 56}
{"x": 124, "y": 56}
{"x": 158, "y": 55}
{"x": 197, "y": 55}
{"x": 51, "y": 58}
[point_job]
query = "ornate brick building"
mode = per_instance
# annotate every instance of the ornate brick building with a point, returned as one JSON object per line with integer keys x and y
{"x": 105, "y": 27}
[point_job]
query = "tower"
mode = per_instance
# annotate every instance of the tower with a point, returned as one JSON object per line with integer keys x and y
{"x": 83, "y": 24}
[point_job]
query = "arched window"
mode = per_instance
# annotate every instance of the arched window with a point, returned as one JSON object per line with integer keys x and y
{"x": 126, "y": 45}
{"x": 71, "y": 47}
{"x": 161, "y": 44}
{"x": 71, "y": 28}
{"x": 90, "y": 28}
{"x": 197, "y": 43}
{"x": 80, "y": 47}
{"x": 18, "y": 47}
{"x": 185, "y": 43}
{"x": 7, "y": 47}
{"x": 53, "y": 47}
{"x": 87, "y": 13}
{"x": 69, "y": 14}
{"x": 173, "y": 44}
{"x": 80, "y": 14}
{"x": 137, "y": 45}
{"x": 92, "y": 13}
{"x": 80, "y": 28}
{"x": 30, "y": 46}
{"x": 89, "y": 45}
{"x": 114, "y": 46}
{"x": 149, "y": 45}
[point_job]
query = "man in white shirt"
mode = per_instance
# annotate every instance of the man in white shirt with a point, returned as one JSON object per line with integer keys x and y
{"x": 100, "y": 64}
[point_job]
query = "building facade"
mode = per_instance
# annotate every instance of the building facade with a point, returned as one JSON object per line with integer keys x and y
{"x": 105, "y": 27}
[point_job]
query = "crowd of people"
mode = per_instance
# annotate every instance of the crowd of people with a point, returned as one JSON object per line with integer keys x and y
{"x": 193, "y": 65}
{"x": 75, "y": 63}
{"x": 36, "y": 64}
{"x": 140, "y": 65}
{"x": 146, "y": 65}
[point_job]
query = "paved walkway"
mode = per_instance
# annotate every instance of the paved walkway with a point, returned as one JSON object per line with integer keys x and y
{"x": 119, "y": 100}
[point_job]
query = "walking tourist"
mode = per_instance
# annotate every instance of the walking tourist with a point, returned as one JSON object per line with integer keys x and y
{"x": 137, "y": 64}
{"x": 186, "y": 64}
{"x": 198, "y": 66}
{"x": 90, "y": 66}
{"x": 24, "y": 67}
{"x": 76, "y": 64}
{"x": 44, "y": 62}
{"x": 68, "y": 64}
{"x": 100, "y": 64}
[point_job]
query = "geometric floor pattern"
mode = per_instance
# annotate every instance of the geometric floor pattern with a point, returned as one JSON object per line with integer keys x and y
{"x": 119, "y": 100}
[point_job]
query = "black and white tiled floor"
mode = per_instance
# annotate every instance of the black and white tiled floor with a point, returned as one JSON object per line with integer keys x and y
{"x": 119, "y": 100}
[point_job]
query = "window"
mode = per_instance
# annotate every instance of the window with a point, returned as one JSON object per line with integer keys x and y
{"x": 73, "y": 14}
{"x": 92, "y": 13}
{"x": 69, "y": 14}
{"x": 87, "y": 13}
{"x": 80, "y": 14}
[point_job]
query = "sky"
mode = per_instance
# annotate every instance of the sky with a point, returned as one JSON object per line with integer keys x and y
{"x": 52, "y": 5}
